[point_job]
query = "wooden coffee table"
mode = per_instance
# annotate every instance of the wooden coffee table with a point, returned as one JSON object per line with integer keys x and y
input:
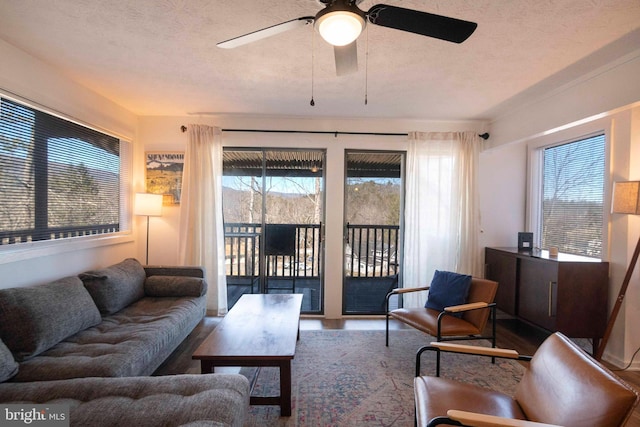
{"x": 260, "y": 330}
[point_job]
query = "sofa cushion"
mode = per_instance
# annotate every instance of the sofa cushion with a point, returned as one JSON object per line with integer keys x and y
{"x": 117, "y": 286}
{"x": 448, "y": 289}
{"x": 174, "y": 286}
{"x": 134, "y": 341}
{"x": 36, "y": 318}
{"x": 174, "y": 400}
{"x": 8, "y": 365}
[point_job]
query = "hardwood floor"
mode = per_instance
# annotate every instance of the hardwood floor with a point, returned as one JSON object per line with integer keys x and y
{"x": 510, "y": 334}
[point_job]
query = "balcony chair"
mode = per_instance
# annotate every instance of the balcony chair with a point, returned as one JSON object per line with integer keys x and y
{"x": 463, "y": 321}
{"x": 563, "y": 385}
{"x": 280, "y": 241}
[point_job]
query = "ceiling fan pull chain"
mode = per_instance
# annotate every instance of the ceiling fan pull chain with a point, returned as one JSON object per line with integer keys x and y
{"x": 366, "y": 66}
{"x": 313, "y": 45}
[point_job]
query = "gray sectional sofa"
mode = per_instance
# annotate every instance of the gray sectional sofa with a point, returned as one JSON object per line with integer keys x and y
{"x": 90, "y": 341}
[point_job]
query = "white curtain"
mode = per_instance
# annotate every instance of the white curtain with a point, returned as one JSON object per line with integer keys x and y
{"x": 441, "y": 209}
{"x": 201, "y": 223}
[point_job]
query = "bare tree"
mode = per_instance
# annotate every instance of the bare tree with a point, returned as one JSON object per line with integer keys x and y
{"x": 572, "y": 198}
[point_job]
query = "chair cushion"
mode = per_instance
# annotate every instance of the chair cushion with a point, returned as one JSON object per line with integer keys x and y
{"x": 426, "y": 320}
{"x": 36, "y": 318}
{"x": 447, "y": 289}
{"x": 8, "y": 365}
{"x": 115, "y": 287}
{"x": 435, "y": 395}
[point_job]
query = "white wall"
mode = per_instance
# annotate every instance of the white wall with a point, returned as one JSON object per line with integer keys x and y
{"x": 601, "y": 91}
{"x": 164, "y": 134}
{"x": 37, "y": 83}
{"x": 608, "y": 98}
{"x": 502, "y": 195}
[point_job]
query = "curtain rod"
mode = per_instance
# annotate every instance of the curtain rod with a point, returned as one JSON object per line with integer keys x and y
{"x": 183, "y": 128}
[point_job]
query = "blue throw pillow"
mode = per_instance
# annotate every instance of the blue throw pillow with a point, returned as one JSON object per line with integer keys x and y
{"x": 447, "y": 289}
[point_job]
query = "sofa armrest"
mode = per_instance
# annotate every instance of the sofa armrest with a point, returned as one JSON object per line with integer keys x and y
{"x": 473, "y": 419}
{"x": 161, "y": 270}
{"x": 174, "y": 286}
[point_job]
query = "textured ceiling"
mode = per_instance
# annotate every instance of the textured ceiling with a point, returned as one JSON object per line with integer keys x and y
{"x": 159, "y": 57}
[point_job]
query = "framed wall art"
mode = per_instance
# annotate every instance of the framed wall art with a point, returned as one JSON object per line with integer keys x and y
{"x": 164, "y": 175}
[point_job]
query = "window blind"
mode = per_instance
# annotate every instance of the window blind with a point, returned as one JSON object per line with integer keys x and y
{"x": 573, "y": 192}
{"x": 58, "y": 179}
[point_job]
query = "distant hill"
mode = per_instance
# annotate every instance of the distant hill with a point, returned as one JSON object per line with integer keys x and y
{"x": 13, "y": 166}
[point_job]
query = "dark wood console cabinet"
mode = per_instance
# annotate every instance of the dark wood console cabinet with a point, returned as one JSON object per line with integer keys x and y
{"x": 566, "y": 293}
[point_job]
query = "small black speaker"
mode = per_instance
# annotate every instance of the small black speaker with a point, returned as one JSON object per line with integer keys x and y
{"x": 525, "y": 241}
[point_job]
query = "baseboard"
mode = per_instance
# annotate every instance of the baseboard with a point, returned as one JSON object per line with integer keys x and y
{"x": 618, "y": 363}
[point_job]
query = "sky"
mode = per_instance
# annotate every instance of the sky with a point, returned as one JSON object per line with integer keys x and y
{"x": 17, "y": 123}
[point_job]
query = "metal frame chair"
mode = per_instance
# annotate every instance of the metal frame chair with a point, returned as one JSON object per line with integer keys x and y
{"x": 444, "y": 325}
{"x": 563, "y": 385}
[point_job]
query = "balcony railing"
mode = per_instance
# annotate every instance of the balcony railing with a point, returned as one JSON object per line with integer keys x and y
{"x": 371, "y": 264}
{"x": 372, "y": 251}
{"x": 55, "y": 233}
{"x": 242, "y": 251}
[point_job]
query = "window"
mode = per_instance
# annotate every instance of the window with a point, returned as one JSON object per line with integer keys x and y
{"x": 58, "y": 179}
{"x": 572, "y": 192}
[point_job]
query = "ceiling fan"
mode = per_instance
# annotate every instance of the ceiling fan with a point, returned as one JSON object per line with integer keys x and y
{"x": 341, "y": 22}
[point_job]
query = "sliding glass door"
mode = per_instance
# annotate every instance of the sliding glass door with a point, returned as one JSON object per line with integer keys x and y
{"x": 374, "y": 188}
{"x": 273, "y": 203}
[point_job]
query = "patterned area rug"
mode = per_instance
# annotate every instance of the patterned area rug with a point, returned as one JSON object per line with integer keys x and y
{"x": 349, "y": 378}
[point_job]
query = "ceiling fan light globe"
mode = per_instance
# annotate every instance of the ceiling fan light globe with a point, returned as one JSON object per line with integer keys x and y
{"x": 340, "y": 28}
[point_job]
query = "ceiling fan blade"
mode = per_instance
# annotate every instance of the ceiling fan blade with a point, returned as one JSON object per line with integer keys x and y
{"x": 423, "y": 23}
{"x": 346, "y": 58}
{"x": 266, "y": 32}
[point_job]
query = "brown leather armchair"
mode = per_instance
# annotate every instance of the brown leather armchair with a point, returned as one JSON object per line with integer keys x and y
{"x": 562, "y": 386}
{"x": 443, "y": 324}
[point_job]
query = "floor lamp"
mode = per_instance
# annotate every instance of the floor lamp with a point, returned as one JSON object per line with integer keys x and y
{"x": 626, "y": 200}
{"x": 147, "y": 204}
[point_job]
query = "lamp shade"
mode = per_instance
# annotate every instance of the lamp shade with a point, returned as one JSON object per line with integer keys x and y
{"x": 340, "y": 28}
{"x": 148, "y": 204}
{"x": 626, "y": 197}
